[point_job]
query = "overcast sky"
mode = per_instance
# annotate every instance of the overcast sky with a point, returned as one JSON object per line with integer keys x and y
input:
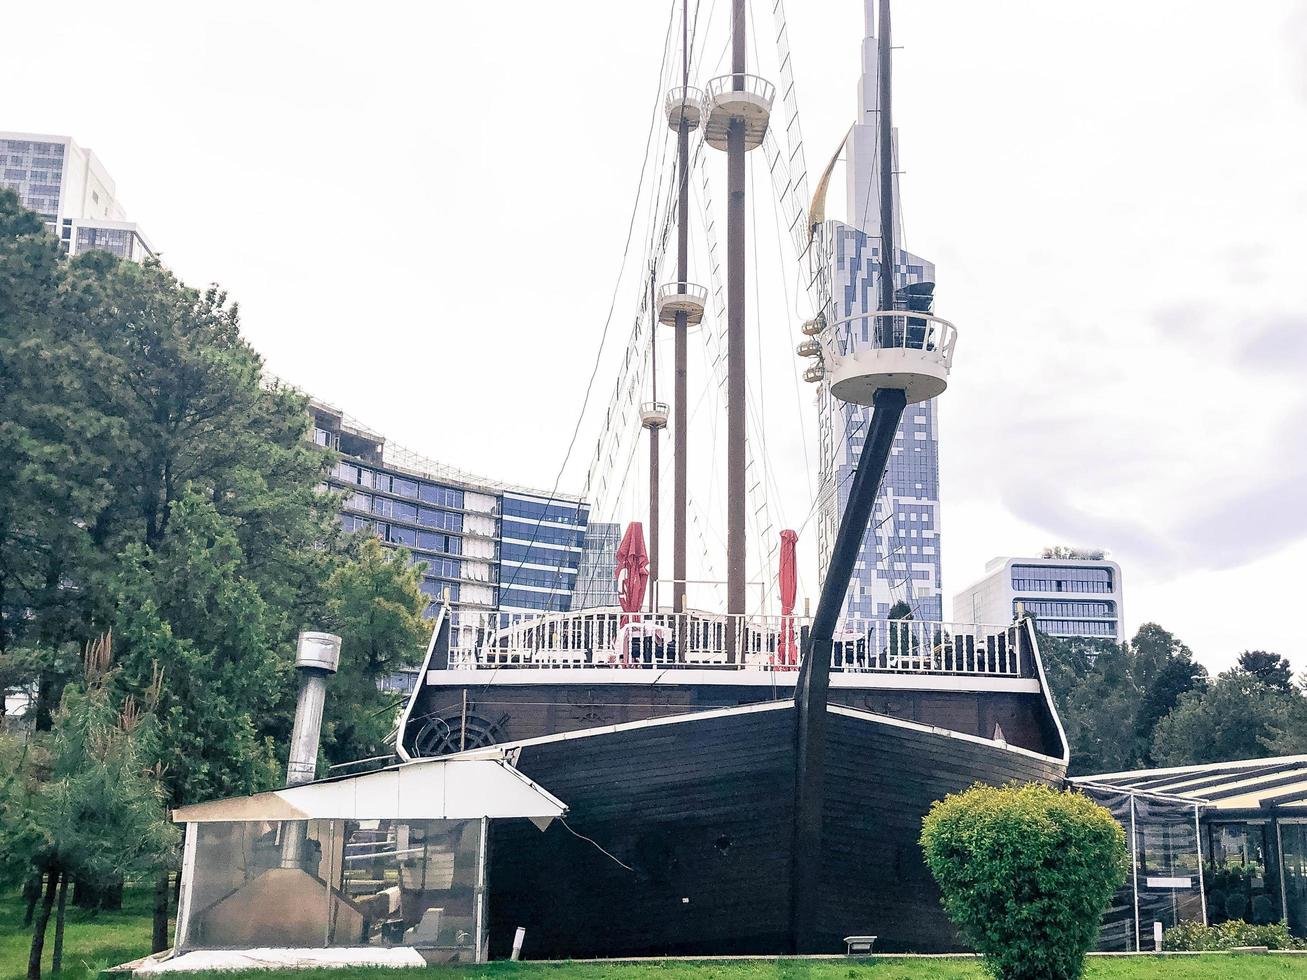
{"x": 422, "y": 208}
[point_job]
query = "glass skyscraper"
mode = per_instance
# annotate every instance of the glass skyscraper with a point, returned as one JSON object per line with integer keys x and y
{"x": 900, "y": 556}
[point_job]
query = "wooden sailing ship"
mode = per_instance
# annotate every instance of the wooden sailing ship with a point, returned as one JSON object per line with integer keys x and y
{"x": 726, "y": 794}
{"x": 650, "y": 781}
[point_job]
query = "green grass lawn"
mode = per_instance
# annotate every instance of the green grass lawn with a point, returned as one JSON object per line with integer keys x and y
{"x": 95, "y": 941}
{"x": 1210, "y": 967}
{"x": 92, "y": 941}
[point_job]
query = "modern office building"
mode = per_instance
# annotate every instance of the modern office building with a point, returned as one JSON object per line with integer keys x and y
{"x": 1067, "y": 596}
{"x": 488, "y": 546}
{"x": 596, "y": 582}
{"x": 68, "y": 186}
{"x": 900, "y": 555}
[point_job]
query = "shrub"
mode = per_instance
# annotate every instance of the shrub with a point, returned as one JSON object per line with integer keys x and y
{"x": 1191, "y": 937}
{"x": 1263, "y": 909}
{"x": 1025, "y": 873}
{"x": 1235, "y": 905}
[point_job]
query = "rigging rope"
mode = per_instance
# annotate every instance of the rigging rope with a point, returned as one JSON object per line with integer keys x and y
{"x": 603, "y": 338}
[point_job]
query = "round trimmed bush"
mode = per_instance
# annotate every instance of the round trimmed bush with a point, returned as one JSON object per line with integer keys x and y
{"x": 1235, "y": 904}
{"x": 1025, "y": 873}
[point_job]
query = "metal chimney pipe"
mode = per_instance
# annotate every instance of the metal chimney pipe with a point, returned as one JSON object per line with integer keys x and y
{"x": 317, "y": 657}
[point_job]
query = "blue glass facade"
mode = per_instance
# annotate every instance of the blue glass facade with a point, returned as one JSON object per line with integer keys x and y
{"x": 34, "y": 171}
{"x": 540, "y": 552}
{"x": 483, "y": 549}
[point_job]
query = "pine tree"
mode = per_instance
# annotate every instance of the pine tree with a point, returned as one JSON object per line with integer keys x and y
{"x": 96, "y": 811}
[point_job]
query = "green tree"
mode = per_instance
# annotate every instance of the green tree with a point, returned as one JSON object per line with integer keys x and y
{"x": 227, "y": 674}
{"x": 97, "y": 812}
{"x": 160, "y": 484}
{"x": 1237, "y": 717}
{"x": 1271, "y": 669}
{"x": 376, "y": 608}
{"x": 1111, "y": 696}
{"x": 57, "y": 446}
{"x": 1165, "y": 671}
{"x": 1025, "y": 873}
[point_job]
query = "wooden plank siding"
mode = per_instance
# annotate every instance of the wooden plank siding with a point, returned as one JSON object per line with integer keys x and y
{"x": 880, "y": 781}
{"x": 522, "y": 711}
{"x": 701, "y": 810}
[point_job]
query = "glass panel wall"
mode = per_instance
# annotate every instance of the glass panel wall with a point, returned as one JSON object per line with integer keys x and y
{"x": 1293, "y": 840}
{"x": 1241, "y": 872}
{"x": 1165, "y": 884}
{"x": 1168, "y": 857}
{"x": 337, "y": 883}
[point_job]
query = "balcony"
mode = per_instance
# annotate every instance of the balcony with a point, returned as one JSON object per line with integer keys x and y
{"x": 684, "y": 104}
{"x": 889, "y": 349}
{"x": 739, "y": 98}
{"x": 681, "y": 297}
{"x": 653, "y": 415}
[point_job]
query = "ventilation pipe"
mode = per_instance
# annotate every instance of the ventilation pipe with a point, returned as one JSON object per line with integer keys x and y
{"x": 317, "y": 657}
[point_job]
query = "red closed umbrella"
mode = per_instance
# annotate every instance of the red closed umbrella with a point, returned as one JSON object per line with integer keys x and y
{"x": 789, "y": 582}
{"x": 632, "y": 568}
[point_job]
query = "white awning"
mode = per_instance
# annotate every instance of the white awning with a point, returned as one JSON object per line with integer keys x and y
{"x": 427, "y": 789}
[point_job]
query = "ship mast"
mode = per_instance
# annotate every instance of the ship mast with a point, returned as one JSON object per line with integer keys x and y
{"x": 901, "y": 359}
{"x": 735, "y": 341}
{"x": 681, "y": 397}
{"x": 654, "y": 419}
{"x": 738, "y": 109}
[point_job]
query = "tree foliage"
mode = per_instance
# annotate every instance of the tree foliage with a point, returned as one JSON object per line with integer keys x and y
{"x": 85, "y": 803}
{"x": 1238, "y": 717}
{"x": 1025, "y": 873}
{"x": 375, "y": 606}
{"x": 1271, "y": 669}
{"x": 157, "y": 483}
{"x": 1111, "y": 696}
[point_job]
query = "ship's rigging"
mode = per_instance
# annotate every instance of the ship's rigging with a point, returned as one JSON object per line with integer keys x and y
{"x": 613, "y": 480}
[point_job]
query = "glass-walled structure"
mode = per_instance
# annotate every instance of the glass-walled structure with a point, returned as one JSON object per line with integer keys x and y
{"x": 1252, "y": 839}
{"x": 392, "y": 858}
{"x": 1165, "y": 883}
{"x": 349, "y": 883}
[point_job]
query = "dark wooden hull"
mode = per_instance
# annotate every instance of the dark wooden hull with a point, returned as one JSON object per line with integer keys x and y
{"x": 701, "y": 810}
{"x": 499, "y": 712}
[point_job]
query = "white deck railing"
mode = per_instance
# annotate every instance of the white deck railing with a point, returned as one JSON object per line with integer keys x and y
{"x": 611, "y": 639}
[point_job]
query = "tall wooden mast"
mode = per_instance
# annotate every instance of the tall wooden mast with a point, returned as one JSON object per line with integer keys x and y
{"x": 736, "y": 492}
{"x": 681, "y": 397}
{"x": 653, "y": 419}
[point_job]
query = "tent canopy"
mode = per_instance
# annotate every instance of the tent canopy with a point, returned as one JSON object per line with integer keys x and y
{"x": 428, "y": 789}
{"x": 1279, "y": 781}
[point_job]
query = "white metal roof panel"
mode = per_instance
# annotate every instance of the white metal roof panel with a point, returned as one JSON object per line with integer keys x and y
{"x": 429, "y": 789}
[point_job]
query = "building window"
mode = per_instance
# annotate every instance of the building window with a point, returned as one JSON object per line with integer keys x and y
{"x": 403, "y": 487}
{"x": 1046, "y": 578}
{"x": 541, "y": 533}
{"x": 429, "y": 517}
{"x": 1068, "y": 608}
{"x": 534, "y": 510}
{"x": 553, "y": 557}
{"x": 443, "y": 496}
{"x": 545, "y": 601}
